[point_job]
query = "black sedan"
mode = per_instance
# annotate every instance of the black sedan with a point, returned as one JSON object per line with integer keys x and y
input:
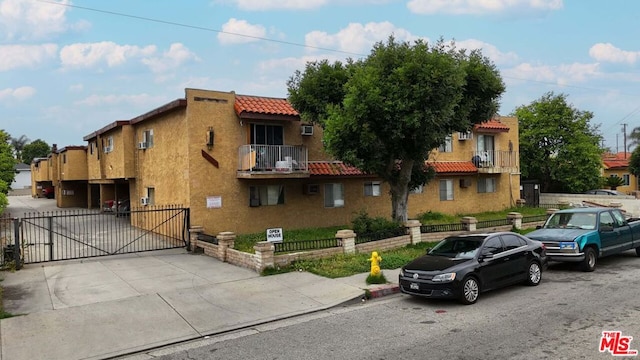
{"x": 463, "y": 266}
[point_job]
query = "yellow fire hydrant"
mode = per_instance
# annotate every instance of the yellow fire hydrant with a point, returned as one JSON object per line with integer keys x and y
{"x": 375, "y": 263}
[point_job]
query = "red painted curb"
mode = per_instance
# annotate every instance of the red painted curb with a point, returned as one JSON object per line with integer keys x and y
{"x": 384, "y": 290}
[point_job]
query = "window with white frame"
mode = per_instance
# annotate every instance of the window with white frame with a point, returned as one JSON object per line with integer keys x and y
{"x": 147, "y": 137}
{"x": 333, "y": 195}
{"x": 266, "y": 195}
{"x": 109, "y": 145}
{"x": 417, "y": 190}
{"x": 446, "y": 190}
{"x": 625, "y": 177}
{"x": 447, "y": 146}
{"x": 372, "y": 188}
{"x": 486, "y": 185}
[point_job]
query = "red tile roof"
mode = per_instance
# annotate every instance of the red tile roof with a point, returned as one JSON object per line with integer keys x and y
{"x": 333, "y": 168}
{"x": 493, "y": 126}
{"x": 616, "y": 161}
{"x": 453, "y": 167}
{"x": 338, "y": 168}
{"x": 245, "y": 105}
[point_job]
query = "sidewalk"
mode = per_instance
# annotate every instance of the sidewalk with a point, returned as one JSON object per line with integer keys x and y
{"x": 104, "y": 307}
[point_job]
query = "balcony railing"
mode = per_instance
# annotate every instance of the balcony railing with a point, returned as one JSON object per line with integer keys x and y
{"x": 272, "y": 158}
{"x": 495, "y": 160}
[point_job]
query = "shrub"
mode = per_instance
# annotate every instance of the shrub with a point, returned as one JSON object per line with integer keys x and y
{"x": 376, "y": 279}
{"x": 362, "y": 223}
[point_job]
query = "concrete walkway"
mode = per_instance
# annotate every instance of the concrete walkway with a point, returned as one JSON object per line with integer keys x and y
{"x": 105, "y": 307}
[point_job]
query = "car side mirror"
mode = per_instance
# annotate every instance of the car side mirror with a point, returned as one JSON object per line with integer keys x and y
{"x": 428, "y": 249}
{"x": 484, "y": 257}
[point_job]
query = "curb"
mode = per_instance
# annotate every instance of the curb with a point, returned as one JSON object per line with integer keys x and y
{"x": 384, "y": 290}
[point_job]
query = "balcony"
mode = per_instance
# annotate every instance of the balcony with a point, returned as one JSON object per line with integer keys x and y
{"x": 272, "y": 161}
{"x": 496, "y": 161}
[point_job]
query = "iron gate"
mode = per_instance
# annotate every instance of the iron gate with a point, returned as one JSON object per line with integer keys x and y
{"x": 65, "y": 235}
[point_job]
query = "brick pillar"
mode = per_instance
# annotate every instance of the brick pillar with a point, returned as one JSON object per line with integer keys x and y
{"x": 264, "y": 255}
{"x": 616, "y": 205}
{"x": 551, "y": 211}
{"x": 226, "y": 240}
{"x": 193, "y": 236}
{"x": 348, "y": 240}
{"x": 515, "y": 219}
{"x": 469, "y": 223}
{"x": 413, "y": 229}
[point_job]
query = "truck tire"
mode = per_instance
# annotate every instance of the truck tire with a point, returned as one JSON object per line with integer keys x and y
{"x": 638, "y": 251}
{"x": 590, "y": 259}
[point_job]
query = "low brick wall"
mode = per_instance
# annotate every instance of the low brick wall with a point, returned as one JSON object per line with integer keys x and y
{"x": 241, "y": 258}
{"x": 386, "y": 244}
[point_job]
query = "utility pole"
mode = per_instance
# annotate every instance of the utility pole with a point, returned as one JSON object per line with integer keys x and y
{"x": 624, "y": 132}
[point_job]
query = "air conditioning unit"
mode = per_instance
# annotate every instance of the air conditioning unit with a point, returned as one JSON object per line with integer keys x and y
{"x": 142, "y": 145}
{"x": 306, "y": 129}
{"x": 144, "y": 201}
{"x": 465, "y": 183}
{"x": 465, "y": 135}
{"x": 107, "y": 149}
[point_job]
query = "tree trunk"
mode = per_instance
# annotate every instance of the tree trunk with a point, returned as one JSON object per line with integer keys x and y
{"x": 400, "y": 192}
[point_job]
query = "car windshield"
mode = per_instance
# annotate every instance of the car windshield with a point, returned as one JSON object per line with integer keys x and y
{"x": 585, "y": 221}
{"x": 457, "y": 247}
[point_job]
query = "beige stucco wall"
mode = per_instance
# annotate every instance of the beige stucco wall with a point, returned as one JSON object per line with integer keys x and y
{"x": 119, "y": 163}
{"x": 73, "y": 164}
{"x": 71, "y": 194}
{"x": 93, "y": 160}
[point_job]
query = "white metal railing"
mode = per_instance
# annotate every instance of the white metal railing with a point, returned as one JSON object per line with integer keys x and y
{"x": 280, "y": 158}
{"x": 495, "y": 159}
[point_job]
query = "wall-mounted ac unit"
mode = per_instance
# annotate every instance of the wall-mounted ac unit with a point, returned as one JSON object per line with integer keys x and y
{"x": 465, "y": 135}
{"x": 142, "y": 145}
{"x": 107, "y": 149}
{"x": 306, "y": 129}
{"x": 144, "y": 201}
{"x": 465, "y": 183}
{"x": 311, "y": 189}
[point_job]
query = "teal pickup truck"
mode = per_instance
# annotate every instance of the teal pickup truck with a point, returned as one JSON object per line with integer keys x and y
{"x": 585, "y": 234}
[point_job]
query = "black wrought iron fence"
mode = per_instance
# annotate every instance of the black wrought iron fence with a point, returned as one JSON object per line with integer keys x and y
{"x": 379, "y": 235}
{"x": 302, "y": 245}
{"x": 492, "y": 223}
{"x": 212, "y": 239}
{"x": 441, "y": 228}
{"x": 534, "y": 218}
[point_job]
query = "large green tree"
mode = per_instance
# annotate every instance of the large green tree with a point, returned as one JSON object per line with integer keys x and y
{"x": 384, "y": 114}
{"x": 37, "y": 148}
{"x": 634, "y": 162}
{"x": 7, "y": 162}
{"x": 558, "y": 145}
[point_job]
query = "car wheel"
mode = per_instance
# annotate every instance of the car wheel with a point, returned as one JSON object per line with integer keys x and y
{"x": 590, "y": 259}
{"x": 638, "y": 251}
{"x": 470, "y": 291}
{"x": 534, "y": 275}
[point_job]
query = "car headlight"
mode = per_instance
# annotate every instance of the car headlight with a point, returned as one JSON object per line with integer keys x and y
{"x": 402, "y": 272}
{"x": 444, "y": 277}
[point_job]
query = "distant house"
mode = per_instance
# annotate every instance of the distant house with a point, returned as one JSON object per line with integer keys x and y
{"x": 23, "y": 177}
{"x": 618, "y": 165}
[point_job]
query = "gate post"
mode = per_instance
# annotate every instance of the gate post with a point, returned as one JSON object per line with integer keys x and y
{"x": 17, "y": 244}
{"x": 50, "y": 238}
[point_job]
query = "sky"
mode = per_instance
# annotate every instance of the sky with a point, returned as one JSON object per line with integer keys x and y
{"x": 70, "y": 67}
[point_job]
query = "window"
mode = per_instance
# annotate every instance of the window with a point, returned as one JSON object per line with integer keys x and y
{"x": 446, "y": 190}
{"x": 147, "y": 137}
{"x": 417, "y": 190}
{"x": 486, "y": 185}
{"x": 447, "y": 146}
{"x": 606, "y": 219}
{"x": 109, "y": 147}
{"x": 266, "y": 195}
{"x": 64, "y": 158}
{"x": 151, "y": 195}
{"x": 512, "y": 242}
{"x": 492, "y": 247}
{"x": 625, "y": 177}
{"x": 333, "y": 195}
{"x": 372, "y": 188}
{"x": 91, "y": 148}
{"x": 267, "y": 134}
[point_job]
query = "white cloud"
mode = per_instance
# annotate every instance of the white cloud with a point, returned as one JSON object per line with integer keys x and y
{"x": 177, "y": 55}
{"x": 140, "y": 100}
{"x": 609, "y": 53}
{"x": 357, "y": 38}
{"x": 20, "y": 93}
{"x": 20, "y": 19}
{"x": 234, "y": 29}
{"x": 86, "y": 55}
{"x": 17, "y": 56}
{"x": 488, "y": 50}
{"x": 479, "y": 7}
{"x": 261, "y": 5}
{"x": 562, "y": 74}
{"x": 76, "y": 87}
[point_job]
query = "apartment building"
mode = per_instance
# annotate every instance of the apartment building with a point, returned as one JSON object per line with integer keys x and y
{"x": 247, "y": 163}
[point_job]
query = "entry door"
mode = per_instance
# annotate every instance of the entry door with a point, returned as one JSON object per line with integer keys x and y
{"x": 485, "y": 148}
